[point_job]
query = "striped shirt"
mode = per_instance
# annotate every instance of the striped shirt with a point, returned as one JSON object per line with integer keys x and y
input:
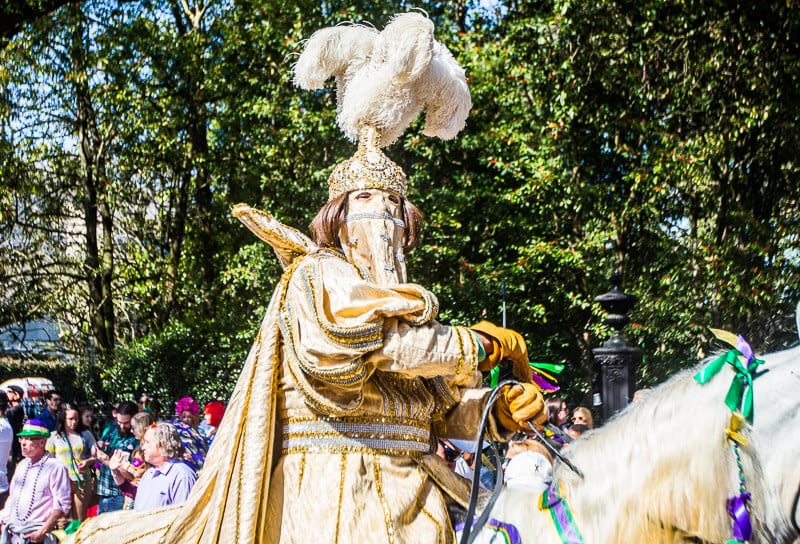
{"x": 71, "y": 453}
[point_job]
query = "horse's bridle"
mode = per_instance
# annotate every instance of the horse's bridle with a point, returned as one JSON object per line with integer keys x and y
{"x": 498, "y": 484}
{"x": 554, "y": 451}
{"x": 795, "y": 506}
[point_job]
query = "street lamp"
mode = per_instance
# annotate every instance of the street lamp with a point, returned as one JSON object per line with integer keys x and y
{"x": 616, "y": 358}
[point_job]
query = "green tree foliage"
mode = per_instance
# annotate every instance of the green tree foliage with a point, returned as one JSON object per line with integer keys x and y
{"x": 60, "y": 201}
{"x": 14, "y": 14}
{"x": 656, "y": 138}
{"x": 650, "y": 137}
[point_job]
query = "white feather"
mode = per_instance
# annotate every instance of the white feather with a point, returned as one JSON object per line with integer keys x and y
{"x": 443, "y": 89}
{"x": 405, "y": 46}
{"x": 385, "y": 79}
{"x": 330, "y": 51}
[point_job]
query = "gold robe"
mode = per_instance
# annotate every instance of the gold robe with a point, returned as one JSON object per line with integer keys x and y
{"x": 328, "y": 435}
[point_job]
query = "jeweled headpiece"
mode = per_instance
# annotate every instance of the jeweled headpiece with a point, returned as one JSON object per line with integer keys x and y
{"x": 369, "y": 168}
{"x": 383, "y": 81}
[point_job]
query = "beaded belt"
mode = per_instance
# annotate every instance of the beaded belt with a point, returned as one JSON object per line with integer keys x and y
{"x": 386, "y": 435}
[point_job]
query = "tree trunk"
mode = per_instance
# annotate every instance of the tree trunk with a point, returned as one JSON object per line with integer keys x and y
{"x": 98, "y": 271}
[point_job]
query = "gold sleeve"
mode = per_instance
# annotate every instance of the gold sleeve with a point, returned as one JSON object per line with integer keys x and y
{"x": 340, "y": 328}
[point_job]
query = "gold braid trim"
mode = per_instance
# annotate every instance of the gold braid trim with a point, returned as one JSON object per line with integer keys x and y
{"x": 387, "y": 513}
{"x": 461, "y": 358}
{"x": 347, "y": 374}
{"x": 430, "y": 312}
{"x": 298, "y": 368}
{"x": 366, "y": 337}
{"x": 302, "y": 472}
{"x": 405, "y": 436}
{"x": 342, "y": 472}
{"x": 140, "y": 537}
{"x": 425, "y": 489}
{"x": 315, "y": 401}
{"x": 464, "y": 370}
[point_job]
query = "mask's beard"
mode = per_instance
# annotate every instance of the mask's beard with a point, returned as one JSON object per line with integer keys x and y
{"x": 373, "y": 241}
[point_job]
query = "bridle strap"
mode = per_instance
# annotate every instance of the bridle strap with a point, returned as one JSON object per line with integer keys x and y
{"x": 795, "y": 507}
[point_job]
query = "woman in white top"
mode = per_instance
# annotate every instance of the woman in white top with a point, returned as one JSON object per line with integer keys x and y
{"x": 72, "y": 444}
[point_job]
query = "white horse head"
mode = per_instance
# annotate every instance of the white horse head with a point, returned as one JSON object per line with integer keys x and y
{"x": 659, "y": 472}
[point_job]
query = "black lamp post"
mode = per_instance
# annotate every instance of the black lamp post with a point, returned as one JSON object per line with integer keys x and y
{"x": 616, "y": 358}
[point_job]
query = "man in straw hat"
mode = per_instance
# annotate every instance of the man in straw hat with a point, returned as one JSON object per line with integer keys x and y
{"x": 329, "y": 435}
{"x": 39, "y": 495}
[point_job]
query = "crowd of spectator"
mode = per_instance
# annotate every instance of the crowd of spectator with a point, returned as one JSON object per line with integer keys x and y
{"x": 60, "y": 464}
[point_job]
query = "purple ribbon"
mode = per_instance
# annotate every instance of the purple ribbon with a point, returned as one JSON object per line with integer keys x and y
{"x": 508, "y": 531}
{"x": 561, "y": 515}
{"x": 744, "y": 348}
{"x": 550, "y": 497}
{"x": 543, "y": 384}
{"x": 737, "y": 509}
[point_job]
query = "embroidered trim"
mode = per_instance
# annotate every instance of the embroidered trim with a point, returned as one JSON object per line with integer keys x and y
{"x": 445, "y": 394}
{"x": 348, "y": 374}
{"x": 461, "y": 355}
{"x": 387, "y": 513}
{"x": 430, "y": 312}
{"x": 342, "y": 472}
{"x": 424, "y": 491}
{"x": 375, "y": 215}
{"x": 316, "y": 401}
{"x": 439, "y": 530}
{"x": 301, "y": 473}
{"x": 392, "y": 436}
{"x": 366, "y": 337}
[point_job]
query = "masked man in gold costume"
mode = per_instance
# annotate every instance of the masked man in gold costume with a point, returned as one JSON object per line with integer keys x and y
{"x": 330, "y": 432}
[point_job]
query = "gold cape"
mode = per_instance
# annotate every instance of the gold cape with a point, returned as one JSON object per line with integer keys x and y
{"x": 332, "y": 350}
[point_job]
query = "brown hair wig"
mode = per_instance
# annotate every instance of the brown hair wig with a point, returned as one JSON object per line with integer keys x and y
{"x": 330, "y": 218}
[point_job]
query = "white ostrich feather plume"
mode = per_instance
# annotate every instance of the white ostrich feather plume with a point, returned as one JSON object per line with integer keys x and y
{"x": 385, "y": 79}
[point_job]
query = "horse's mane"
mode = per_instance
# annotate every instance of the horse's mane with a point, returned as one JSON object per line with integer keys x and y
{"x": 662, "y": 470}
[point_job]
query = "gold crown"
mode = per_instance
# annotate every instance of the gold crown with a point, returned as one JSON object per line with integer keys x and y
{"x": 368, "y": 168}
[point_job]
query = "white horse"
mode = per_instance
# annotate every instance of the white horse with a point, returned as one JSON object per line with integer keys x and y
{"x": 663, "y": 469}
{"x": 776, "y": 428}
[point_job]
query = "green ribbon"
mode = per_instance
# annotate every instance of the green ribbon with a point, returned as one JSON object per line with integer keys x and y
{"x": 494, "y": 376}
{"x": 555, "y": 368}
{"x": 740, "y": 393}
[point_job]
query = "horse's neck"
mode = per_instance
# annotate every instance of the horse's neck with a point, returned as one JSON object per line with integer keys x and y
{"x": 776, "y": 426}
{"x": 648, "y": 464}
{"x": 659, "y": 473}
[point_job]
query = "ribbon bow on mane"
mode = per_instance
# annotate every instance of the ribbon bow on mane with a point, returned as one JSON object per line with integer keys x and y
{"x": 741, "y": 358}
{"x": 739, "y": 400}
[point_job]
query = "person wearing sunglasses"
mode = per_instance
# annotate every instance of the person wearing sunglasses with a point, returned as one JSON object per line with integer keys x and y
{"x": 448, "y": 452}
{"x": 581, "y": 415}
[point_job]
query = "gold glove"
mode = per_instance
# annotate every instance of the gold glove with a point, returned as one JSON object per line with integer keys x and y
{"x": 507, "y": 344}
{"x": 519, "y": 404}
